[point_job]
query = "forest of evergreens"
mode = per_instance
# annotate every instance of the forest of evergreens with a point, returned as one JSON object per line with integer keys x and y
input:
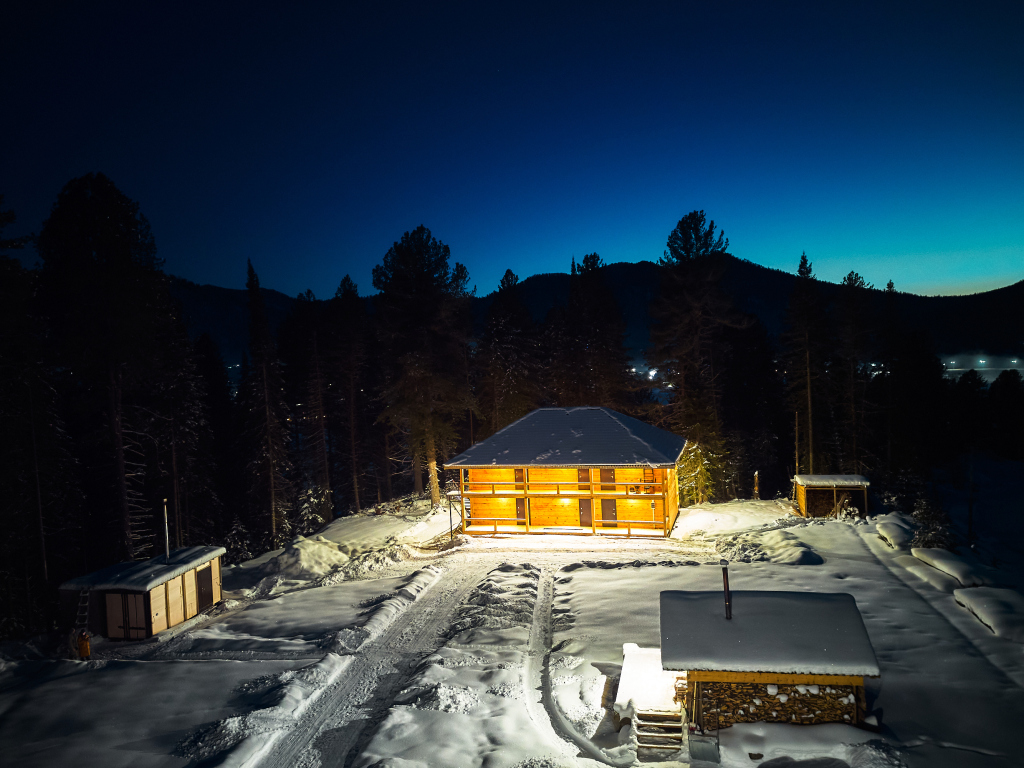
{"x": 109, "y": 409}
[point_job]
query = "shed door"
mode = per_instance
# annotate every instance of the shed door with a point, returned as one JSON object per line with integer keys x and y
{"x": 609, "y": 515}
{"x": 175, "y": 602}
{"x": 115, "y": 616}
{"x": 204, "y": 587}
{"x": 586, "y": 513}
{"x": 189, "y": 583}
{"x": 126, "y": 615}
{"x": 215, "y": 569}
{"x": 521, "y": 511}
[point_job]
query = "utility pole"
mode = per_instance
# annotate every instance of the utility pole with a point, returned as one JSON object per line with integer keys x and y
{"x": 167, "y": 537}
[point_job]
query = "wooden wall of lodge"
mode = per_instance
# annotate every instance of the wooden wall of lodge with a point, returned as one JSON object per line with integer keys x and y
{"x": 164, "y": 606}
{"x": 554, "y": 494}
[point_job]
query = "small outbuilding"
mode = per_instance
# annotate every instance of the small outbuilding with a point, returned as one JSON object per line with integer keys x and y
{"x": 132, "y": 601}
{"x": 785, "y": 657}
{"x": 824, "y": 495}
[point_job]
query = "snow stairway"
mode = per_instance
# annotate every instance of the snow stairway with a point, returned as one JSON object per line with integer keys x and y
{"x": 82, "y": 616}
{"x": 661, "y": 730}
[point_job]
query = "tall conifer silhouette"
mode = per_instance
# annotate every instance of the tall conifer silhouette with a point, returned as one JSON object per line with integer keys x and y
{"x": 424, "y": 322}
{"x": 265, "y": 418}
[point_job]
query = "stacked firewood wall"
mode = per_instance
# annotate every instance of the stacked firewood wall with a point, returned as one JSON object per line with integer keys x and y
{"x": 727, "y": 703}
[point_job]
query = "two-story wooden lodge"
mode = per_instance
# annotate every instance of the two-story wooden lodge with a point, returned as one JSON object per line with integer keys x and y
{"x": 571, "y": 470}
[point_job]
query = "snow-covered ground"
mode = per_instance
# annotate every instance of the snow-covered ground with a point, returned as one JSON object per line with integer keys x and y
{"x": 361, "y": 647}
{"x": 709, "y": 520}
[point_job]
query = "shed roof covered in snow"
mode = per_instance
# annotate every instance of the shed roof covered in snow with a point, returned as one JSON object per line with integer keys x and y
{"x": 572, "y": 437}
{"x": 145, "y": 575}
{"x": 831, "y": 481}
{"x": 803, "y": 633}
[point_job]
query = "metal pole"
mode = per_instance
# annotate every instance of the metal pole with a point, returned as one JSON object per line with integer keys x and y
{"x": 451, "y": 530}
{"x": 728, "y": 595}
{"x": 167, "y": 537}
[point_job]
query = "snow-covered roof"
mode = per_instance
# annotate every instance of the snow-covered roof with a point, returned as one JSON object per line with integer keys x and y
{"x": 145, "y": 575}
{"x": 832, "y": 481}
{"x": 571, "y": 437}
{"x": 644, "y": 685}
{"x": 805, "y": 633}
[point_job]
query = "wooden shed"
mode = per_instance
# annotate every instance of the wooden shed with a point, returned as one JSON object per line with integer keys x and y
{"x": 823, "y": 495}
{"x": 786, "y": 657}
{"x": 573, "y": 471}
{"x": 131, "y": 601}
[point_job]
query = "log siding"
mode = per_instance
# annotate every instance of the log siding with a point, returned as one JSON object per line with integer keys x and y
{"x": 644, "y": 500}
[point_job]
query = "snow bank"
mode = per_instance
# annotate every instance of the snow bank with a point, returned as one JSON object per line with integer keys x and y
{"x": 1001, "y": 610}
{"x": 437, "y": 522}
{"x": 966, "y": 573}
{"x": 240, "y": 741}
{"x": 938, "y": 579}
{"x": 384, "y": 613}
{"x": 368, "y": 530}
{"x": 307, "y": 622}
{"x": 774, "y": 547}
{"x": 309, "y": 559}
{"x": 730, "y": 517}
{"x": 579, "y": 697}
{"x": 802, "y": 742}
{"x": 895, "y": 535}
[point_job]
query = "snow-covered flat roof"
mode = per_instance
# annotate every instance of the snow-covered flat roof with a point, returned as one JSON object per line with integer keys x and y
{"x": 644, "y": 685}
{"x": 147, "y": 574}
{"x": 830, "y": 481}
{"x": 572, "y": 437}
{"x": 803, "y": 633}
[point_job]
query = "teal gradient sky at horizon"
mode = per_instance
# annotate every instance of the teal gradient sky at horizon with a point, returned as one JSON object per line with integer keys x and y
{"x": 882, "y": 138}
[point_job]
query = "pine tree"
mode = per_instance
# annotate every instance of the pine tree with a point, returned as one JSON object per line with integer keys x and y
{"x": 506, "y": 359}
{"x": 347, "y": 361}
{"x": 688, "y": 348}
{"x": 805, "y": 349}
{"x": 220, "y": 439}
{"x": 39, "y": 512}
{"x": 181, "y": 434}
{"x": 584, "y": 350}
{"x": 105, "y": 300}
{"x": 238, "y": 543}
{"x": 303, "y": 351}
{"x": 264, "y": 432}
{"x": 430, "y": 386}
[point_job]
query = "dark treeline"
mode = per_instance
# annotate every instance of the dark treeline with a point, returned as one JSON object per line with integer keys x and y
{"x": 111, "y": 413}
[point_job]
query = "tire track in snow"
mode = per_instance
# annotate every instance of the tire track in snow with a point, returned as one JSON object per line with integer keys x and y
{"x": 345, "y": 717}
{"x": 535, "y": 679}
{"x": 546, "y": 713}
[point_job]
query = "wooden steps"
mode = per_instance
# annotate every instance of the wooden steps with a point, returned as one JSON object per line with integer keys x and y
{"x": 666, "y": 727}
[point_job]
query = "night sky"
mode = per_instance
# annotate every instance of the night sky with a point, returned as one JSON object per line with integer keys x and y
{"x": 889, "y": 141}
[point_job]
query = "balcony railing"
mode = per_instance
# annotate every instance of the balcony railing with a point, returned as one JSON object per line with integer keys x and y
{"x": 618, "y": 527}
{"x": 575, "y": 488}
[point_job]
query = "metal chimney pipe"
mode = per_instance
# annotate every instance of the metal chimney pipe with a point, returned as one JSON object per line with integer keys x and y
{"x": 167, "y": 537}
{"x": 728, "y": 594}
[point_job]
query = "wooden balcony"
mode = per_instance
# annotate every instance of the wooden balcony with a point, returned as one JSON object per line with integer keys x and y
{"x": 573, "y": 489}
